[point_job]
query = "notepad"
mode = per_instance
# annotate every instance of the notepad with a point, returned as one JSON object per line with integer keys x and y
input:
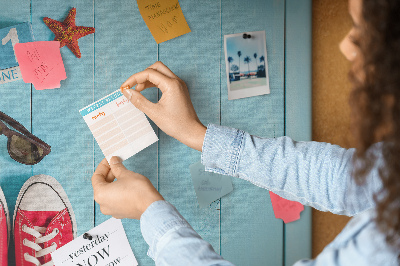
{"x": 118, "y": 126}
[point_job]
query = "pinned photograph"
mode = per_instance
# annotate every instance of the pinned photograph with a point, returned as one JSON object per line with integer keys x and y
{"x": 246, "y": 64}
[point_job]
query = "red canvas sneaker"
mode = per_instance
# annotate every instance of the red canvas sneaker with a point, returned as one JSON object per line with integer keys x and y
{"x": 4, "y": 230}
{"x": 43, "y": 221}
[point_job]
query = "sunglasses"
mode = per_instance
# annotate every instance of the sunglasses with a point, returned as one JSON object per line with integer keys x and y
{"x": 22, "y": 146}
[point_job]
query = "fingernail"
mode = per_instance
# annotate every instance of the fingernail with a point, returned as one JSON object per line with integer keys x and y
{"x": 124, "y": 88}
{"x": 128, "y": 93}
{"x": 115, "y": 160}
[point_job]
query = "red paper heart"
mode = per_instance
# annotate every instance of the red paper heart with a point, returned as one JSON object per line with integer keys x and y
{"x": 284, "y": 209}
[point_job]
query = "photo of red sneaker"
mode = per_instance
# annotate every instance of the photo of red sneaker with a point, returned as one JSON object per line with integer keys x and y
{"x": 43, "y": 221}
{"x": 4, "y": 230}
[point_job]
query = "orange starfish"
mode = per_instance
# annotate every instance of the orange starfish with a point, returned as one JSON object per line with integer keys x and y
{"x": 67, "y": 33}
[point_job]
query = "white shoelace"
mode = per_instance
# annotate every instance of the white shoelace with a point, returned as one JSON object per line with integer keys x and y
{"x": 39, "y": 239}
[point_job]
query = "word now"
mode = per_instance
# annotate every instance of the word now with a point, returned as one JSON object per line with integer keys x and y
{"x": 94, "y": 259}
{"x": 10, "y": 74}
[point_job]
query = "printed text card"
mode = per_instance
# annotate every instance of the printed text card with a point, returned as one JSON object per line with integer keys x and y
{"x": 108, "y": 246}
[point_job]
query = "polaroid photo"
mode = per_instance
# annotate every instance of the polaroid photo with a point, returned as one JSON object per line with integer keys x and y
{"x": 246, "y": 64}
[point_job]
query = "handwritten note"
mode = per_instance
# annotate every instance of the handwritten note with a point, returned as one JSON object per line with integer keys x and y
{"x": 209, "y": 186}
{"x": 118, "y": 126}
{"x": 41, "y": 64}
{"x": 108, "y": 246}
{"x": 164, "y": 18}
{"x": 284, "y": 209}
{"x": 9, "y": 37}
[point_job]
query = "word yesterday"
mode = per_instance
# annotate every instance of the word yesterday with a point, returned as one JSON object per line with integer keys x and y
{"x": 87, "y": 247}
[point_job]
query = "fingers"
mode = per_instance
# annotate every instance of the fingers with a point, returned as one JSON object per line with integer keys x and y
{"x": 99, "y": 176}
{"x": 159, "y": 80}
{"x": 143, "y": 86}
{"x": 140, "y": 102}
{"x": 160, "y": 67}
{"x": 117, "y": 168}
{"x": 110, "y": 177}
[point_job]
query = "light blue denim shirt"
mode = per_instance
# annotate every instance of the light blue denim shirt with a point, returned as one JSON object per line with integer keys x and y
{"x": 312, "y": 173}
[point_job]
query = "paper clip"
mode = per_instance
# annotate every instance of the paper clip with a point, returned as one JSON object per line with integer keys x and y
{"x": 87, "y": 236}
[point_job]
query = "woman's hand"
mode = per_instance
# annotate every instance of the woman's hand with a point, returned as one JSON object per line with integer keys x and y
{"x": 173, "y": 113}
{"x": 128, "y": 197}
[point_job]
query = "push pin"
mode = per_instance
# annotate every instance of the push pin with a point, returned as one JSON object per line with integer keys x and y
{"x": 87, "y": 236}
{"x": 246, "y": 36}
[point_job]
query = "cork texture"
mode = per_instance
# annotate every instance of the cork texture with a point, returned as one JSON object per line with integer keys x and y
{"x": 331, "y": 89}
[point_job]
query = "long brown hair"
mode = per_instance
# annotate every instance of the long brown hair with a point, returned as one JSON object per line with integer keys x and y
{"x": 375, "y": 103}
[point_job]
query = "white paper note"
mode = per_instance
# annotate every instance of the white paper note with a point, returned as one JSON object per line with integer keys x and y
{"x": 118, "y": 126}
{"x": 109, "y": 247}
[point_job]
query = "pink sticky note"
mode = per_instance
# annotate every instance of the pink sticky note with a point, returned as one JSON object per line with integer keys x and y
{"x": 41, "y": 64}
{"x": 284, "y": 209}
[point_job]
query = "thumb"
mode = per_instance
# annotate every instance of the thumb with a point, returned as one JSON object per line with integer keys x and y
{"x": 117, "y": 167}
{"x": 138, "y": 100}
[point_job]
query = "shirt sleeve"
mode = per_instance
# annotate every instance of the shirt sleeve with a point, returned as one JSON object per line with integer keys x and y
{"x": 312, "y": 173}
{"x": 172, "y": 241}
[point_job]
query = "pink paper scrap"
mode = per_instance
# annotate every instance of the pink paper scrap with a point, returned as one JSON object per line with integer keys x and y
{"x": 284, "y": 209}
{"x": 41, "y": 64}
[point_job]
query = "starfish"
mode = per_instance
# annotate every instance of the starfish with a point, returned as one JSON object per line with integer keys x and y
{"x": 67, "y": 33}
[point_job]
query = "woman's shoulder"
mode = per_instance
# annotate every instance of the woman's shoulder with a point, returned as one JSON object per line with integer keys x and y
{"x": 361, "y": 238}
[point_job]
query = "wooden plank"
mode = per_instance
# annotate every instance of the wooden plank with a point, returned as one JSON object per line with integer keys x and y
{"x": 55, "y": 113}
{"x": 298, "y": 111}
{"x": 15, "y": 102}
{"x": 13, "y": 13}
{"x": 194, "y": 57}
{"x": 124, "y": 46}
{"x": 250, "y": 234}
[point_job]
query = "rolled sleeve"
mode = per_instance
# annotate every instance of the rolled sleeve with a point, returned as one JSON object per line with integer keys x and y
{"x": 222, "y": 140}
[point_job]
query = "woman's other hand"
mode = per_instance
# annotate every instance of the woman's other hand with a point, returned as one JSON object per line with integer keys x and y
{"x": 128, "y": 197}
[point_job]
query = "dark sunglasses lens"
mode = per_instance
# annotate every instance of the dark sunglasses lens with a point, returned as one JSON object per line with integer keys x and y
{"x": 24, "y": 151}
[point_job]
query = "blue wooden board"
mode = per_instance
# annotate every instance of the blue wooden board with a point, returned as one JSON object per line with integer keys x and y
{"x": 241, "y": 226}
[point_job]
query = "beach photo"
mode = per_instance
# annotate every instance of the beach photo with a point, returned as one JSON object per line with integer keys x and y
{"x": 246, "y": 64}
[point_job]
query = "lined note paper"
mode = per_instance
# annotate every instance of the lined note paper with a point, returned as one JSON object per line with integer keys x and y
{"x": 118, "y": 126}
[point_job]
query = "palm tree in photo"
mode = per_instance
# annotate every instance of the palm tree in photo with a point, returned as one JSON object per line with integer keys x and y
{"x": 247, "y": 60}
{"x": 255, "y": 60}
{"x": 262, "y": 59}
{"x": 239, "y": 55}
{"x": 230, "y": 60}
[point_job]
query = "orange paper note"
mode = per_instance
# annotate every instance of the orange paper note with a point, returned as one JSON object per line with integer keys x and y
{"x": 164, "y": 18}
{"x": 284, "y": 209}
{"x": 41, "y": 64}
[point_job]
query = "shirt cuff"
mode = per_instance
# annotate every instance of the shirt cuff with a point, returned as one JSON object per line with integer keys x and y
{"x": 222, "y": 148}
{"x": 158, "y": 219}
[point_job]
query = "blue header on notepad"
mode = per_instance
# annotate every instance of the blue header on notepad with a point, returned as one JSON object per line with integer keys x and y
{"x": 100, "y": 103}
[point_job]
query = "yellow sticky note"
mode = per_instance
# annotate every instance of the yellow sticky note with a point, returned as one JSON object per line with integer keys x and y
{"x": 164, "y": 18}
